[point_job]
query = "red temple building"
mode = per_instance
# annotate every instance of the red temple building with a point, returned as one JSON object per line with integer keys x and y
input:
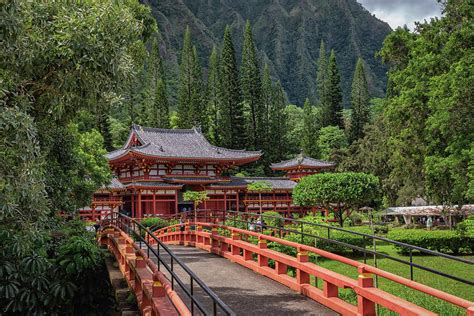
{"x": 301, "y": 166}
{"x": 155, "y": 166}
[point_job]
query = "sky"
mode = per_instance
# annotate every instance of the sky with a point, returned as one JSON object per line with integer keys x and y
{"x": 401, "y": 12}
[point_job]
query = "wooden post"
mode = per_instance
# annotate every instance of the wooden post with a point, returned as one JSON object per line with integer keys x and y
{"x": 176, "y": 201}
{"x": 365, "y": 307}
{"x": 139, "y": 215}
{"x": 237, "y": 202}
{"x": 301, "y": 276}
{"x": 225, "y": 200}
{"x": 154, "y": 203}
{"x": 133, "y": 204}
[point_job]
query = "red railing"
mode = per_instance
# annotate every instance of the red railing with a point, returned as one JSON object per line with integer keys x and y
{"x": 152, "y": 289}
{"x": 238, "y": 249}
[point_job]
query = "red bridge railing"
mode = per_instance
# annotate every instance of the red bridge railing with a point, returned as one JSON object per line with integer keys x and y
{"x": 235, "y": 244}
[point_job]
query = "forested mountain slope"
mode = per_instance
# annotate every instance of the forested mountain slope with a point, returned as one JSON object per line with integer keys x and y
{"x": 287, "y": 34}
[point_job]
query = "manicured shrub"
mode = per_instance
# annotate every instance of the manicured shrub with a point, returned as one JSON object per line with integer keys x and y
{"x": 273, "y": 219}
{"x": 439, "y": 240}
{"x": 154, "y": 223}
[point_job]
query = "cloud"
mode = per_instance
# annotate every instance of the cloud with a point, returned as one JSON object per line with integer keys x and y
{"x": 401, "y": 12}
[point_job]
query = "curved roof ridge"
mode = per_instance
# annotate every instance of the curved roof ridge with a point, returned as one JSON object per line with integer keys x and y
{"x": 237, "y": 150}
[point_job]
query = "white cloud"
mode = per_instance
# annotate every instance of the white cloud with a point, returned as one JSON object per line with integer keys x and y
{"x": 403, "y": 12}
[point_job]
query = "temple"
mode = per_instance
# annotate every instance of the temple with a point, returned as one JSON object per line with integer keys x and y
{"x": 155, "y": 166}
{"x": 301, "y": 166}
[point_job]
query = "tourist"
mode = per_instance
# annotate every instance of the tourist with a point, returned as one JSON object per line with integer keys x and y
{"x": 429, "y": 223}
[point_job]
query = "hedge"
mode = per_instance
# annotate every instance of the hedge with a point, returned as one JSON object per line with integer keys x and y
{"x": 154, "y": 223}
{"x": 439, "y": 240}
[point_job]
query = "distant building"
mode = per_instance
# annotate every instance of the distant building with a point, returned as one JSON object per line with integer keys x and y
{"x": 301, "y": 166}
{"x": 155, "y": 166}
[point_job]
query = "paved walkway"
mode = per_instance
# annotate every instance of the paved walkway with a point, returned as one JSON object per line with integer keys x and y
{"x": 244, "y": 291}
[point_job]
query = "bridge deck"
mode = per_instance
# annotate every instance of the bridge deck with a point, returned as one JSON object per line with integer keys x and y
{"x": 244, "y": 291}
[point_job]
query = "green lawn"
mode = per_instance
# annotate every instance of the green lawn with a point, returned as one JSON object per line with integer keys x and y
{"x": 424, "y": 277}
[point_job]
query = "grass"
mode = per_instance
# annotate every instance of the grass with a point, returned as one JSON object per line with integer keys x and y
{"x": 439, "y": 282}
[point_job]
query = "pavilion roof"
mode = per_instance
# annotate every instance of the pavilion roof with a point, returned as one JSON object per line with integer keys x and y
{"x": 431, "y": 210}
{"x": 276, "y": 183}
{"x": 179, "y": 143}
{"x": 114, "y": 185}
{"x": 302, "y": 161}
{"x": 151, "y": 184}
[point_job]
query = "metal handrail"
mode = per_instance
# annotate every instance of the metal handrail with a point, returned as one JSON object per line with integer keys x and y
{"x": 364, "y": 250}
{"x": 123, "y": 221}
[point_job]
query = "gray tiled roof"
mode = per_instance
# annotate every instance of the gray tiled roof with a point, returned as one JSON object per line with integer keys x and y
{"x": 275, "y": 182}
{"x": 184, "y": 143}
{"x": 303, "y": 161}
{"x": 151, "y": 184}
{"x": 114, "y": 184}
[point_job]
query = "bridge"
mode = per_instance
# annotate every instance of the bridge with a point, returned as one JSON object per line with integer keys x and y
{"x": 207, "y": 267}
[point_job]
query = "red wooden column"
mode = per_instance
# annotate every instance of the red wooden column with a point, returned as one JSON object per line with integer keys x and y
{"x": 133, "y": 204}
{"x": 237, "y": 202}
{"x": 176, "y": 201}
{"x": 154, "y": 203}
{"x": 139, "y": 215}
{"x": 225, "y": 200}
{"x": 274, "y": 201}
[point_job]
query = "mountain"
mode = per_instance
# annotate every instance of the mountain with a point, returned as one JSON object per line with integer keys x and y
{"x": 287, "y": 34}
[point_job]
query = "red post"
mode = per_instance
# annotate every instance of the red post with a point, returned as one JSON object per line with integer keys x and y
{"x": 139, "y": 215}
{"x": 133, "y": 204}
{"x": 301, "y": 276}
{"x": 365, "y": 307}
{"x": 281, "y": 268}
{"x": 330, "y": 290}
{"x": 176, "y": 201}
{"x": 158, "y": 290}
{"x": 154, "y": 203}
{"x": 470, "y": 311}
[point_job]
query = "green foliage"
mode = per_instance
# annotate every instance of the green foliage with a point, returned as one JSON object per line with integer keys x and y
{"x": 232, "y": 126}
{"x": 159, "y": 116}
{"x": 195, "y": 196}
{"x": 440, "y": 240}
{"x": 337, "y": 191}
{"x": 287, "y": 34}
{"x": 213, "y": 97}
{"x": 154, "y": 223}
{"x": 428, "y": 112}
{"x": 331, "y": 101}
{"x": 322, "y": 73}
{"x": 277, "y": 126}
{"x": 332, "y": 143}
{"x": 259, "y": 186}
{"x": 360, "y": 103}
{"x": 274, "y": 219}
{"x": 190, "y": 100}
{"x": 310, "y": 132}
{"x": 295, "y": 122}
{"x": 251, "y": 91}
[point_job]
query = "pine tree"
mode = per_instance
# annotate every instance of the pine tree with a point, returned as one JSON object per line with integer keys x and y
{"x": 232, "y": 126}
{"x": 159, "y": 116}
{"x": 266, "y": 101}
{"x": 277, "y": 124}
{"x": 250, "y": 82}
{"x": 332, "y": 98}
{"x": 190, "y": 86}
{"x": 321, "y": 72}
{"x": 310, "y": 131}
{"x": 360, "y": 103}
{"x": 213, "y": 97}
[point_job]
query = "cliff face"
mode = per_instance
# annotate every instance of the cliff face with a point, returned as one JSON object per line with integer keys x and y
{"x": 287, "y": 34}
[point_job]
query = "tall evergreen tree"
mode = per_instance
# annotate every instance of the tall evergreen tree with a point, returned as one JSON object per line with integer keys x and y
{"x": 310, "y": 131}
{"x": 250, "y": 82}
{"x": 232, "y": 126}
{"x": 266, "y": 101}
{"x": 190, "y": 86}
{"x": 159, "y": 116}
{"x": 277, "y": 124}
{"x": 213, "y": 97}
{"x": 360, "y": 103}
{"x": 321, "y": 72}
{"x": 332, "y": 98}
